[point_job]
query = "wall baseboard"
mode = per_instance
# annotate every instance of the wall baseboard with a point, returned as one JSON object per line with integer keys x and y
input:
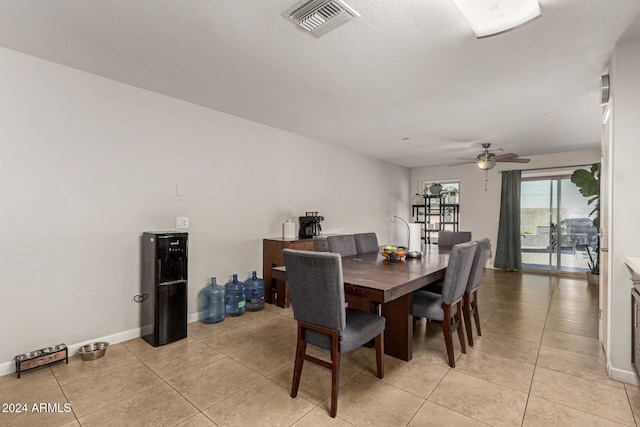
{"x": 627, "y": 377}
{"x": 10, "y": 367}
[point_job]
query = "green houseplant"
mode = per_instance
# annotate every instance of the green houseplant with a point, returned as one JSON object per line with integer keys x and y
{"x": 451, "y": 193}
{"x": 588, "y": 182}
{"x": 448, "y": 215}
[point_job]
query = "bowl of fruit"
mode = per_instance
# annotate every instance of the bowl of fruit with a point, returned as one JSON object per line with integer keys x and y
{"x": 393, "y": 252}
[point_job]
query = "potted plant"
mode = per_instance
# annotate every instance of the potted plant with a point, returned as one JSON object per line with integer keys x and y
{"x": 593, "y": 275}
{"x": 451, "y": 193}
{"x": 435, "y": 189}
{"x": 588, "y": 182}
{"x": 448, "y": 215}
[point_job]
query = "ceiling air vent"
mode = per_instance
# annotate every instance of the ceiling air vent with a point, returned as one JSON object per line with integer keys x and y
{"x": 320, "y": 16}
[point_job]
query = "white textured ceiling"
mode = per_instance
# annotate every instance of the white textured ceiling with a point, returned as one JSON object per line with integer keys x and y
{"x": 404, "y": 69}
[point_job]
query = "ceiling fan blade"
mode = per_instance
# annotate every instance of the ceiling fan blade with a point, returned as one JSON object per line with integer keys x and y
{"x": 467, "y": 162}
{"x": 518, "y": 160}
{"x": 505, "y": 156}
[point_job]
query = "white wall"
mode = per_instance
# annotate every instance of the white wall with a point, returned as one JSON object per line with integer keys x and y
{"x": 88, "y": 164}
{"x": 480, "y": 209}
{"x": 625, "y": 230}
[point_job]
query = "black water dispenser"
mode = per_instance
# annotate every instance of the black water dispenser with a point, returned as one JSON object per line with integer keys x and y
{"x": 164, "y": 285}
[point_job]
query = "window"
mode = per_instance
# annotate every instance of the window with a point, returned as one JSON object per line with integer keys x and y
{"x": 447, "y": 186}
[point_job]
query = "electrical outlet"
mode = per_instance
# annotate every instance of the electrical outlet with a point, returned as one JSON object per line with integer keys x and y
{"x": 182, "y": 222}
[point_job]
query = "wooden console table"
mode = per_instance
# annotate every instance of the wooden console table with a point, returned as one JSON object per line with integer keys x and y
{"x": 275, "y": 291}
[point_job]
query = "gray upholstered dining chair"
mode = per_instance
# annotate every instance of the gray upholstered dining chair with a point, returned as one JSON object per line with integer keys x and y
{"x": 447, "y": 307}
{"x": 470, "y": 299}
{"x": 366, "y": 242}
{"x": 316, "y": 290}
{"x": 446, "y": 239}
{"x": 344, "y": 245}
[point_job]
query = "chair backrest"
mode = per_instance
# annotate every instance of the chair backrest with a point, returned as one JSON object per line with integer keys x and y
{"x": 316, "y": 288}
{"x": 366, "y": 242}
{"x": 446, "y": 239}
{"x": 344, "y": 245}
{"x": 458, "y": 269}
{"x": 479, "y": 262}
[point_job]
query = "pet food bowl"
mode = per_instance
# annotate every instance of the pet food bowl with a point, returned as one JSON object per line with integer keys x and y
{"x": 93, "y": 351}
{"x": 29, "y": 355}
{"x": 54, "y": 348}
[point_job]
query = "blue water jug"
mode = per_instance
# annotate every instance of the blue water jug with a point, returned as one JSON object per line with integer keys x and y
{"x": 213, "y": 303}
{"x": 254, "y": 290}
{"x": 236, "y": 299}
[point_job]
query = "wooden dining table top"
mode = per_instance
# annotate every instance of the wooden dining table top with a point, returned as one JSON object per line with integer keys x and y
{"x": 376, "y": 278}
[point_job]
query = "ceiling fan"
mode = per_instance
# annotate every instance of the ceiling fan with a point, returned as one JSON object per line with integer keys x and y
{"x": 487, "y": 159}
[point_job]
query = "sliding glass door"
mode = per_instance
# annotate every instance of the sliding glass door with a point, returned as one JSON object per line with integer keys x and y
{"x": 557, "y": 234}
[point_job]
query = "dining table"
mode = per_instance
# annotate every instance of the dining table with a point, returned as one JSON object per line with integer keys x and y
{"x": 377, "y": 284}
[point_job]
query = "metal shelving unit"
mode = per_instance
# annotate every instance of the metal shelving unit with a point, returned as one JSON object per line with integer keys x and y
{"x": 435, "y": 215}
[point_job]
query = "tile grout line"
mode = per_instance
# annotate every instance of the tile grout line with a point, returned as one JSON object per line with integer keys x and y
{"x": 264, "y": 377}
{"x": 167, "y": 383}
{"x": 626, "y": 392}
{"x": 556, "y": 287}
{"x": 535, "y": 366}
{"x": 107, "y": 370}
{"x": 63, "y": 393}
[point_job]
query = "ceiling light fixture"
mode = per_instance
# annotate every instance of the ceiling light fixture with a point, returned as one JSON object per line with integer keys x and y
{"x": 491, "y": 17}
{"x": 486, "y": 161}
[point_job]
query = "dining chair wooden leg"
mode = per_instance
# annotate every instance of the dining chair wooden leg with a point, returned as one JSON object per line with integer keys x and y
{"x": 380, "y": 355}
{"x": 466, "y": 312}
{"x": 459, "y": 326}
{"x": 301, "y": 348}
{"x": 335, "y": 374}
{"x": 446, "y": 330}
{"x": 474, "y": 310}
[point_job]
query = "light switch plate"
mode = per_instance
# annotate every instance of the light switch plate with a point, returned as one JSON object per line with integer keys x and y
{"x": 182, "y": 222}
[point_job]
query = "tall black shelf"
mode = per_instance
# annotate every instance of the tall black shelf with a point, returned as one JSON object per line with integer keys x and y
{"x": 435, "y": 214}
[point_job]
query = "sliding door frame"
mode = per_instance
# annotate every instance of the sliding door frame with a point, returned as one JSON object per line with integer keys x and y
{"x": 557, "y": 199}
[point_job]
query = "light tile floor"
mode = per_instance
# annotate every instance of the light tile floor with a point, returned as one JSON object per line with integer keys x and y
{"x": 538, "y": 363}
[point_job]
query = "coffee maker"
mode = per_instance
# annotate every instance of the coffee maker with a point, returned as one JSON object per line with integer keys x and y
{"x": 310, "y": 225}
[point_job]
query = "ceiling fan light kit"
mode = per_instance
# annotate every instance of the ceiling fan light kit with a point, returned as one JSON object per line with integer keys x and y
{"x": 492, "y": 17}
{"x": 486, "y": 161}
